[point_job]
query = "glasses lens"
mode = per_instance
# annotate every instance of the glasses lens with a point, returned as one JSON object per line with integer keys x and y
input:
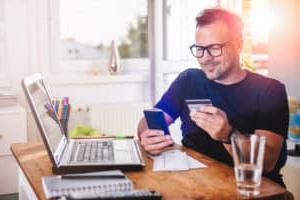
{"x": 197, "y": 51}
{"x": 215, "y": 50}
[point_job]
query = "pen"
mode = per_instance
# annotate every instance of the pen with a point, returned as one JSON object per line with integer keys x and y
{"x": 60, "y": 109}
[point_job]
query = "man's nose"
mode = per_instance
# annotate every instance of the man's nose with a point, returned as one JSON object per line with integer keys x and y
{"x": 206, "y": 56}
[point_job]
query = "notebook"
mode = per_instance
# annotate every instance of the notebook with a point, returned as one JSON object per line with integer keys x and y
{"x": 76, "y": 155}
{"x": 96, "y": 182}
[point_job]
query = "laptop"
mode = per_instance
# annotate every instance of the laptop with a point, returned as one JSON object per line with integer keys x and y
{"x": 76, "y": 155}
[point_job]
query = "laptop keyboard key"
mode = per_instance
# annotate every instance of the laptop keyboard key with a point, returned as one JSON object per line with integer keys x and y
{"x": 98, "y": 151}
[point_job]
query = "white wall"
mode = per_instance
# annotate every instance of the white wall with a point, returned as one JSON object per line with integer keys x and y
{"x": 285, "y": 45}
{"x": 285, "y": 66}
{"x": 15, "y": 43}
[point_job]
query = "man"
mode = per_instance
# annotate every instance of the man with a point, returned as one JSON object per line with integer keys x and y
{"x": 242, "y": 101}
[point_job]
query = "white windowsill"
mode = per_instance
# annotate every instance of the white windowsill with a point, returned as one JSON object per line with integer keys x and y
{"x": 105, "y": 78}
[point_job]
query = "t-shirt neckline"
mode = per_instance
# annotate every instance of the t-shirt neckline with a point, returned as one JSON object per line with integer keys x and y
{"x": 230, "y": 85}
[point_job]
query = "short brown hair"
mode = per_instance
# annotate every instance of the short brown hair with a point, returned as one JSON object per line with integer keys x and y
{"x": 211, "y": 15}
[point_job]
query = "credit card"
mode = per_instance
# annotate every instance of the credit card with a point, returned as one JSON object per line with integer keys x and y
{"x": 195, "y": 104}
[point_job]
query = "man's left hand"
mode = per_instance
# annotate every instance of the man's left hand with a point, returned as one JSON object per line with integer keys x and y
{"x": 213, "y": 120}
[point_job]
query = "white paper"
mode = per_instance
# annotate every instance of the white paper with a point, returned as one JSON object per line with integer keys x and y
{"x": 194, "y": 164}
{"x": 175, "y": 160}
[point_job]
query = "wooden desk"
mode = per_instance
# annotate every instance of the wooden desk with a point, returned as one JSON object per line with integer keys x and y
{"x": 215, "y": 182}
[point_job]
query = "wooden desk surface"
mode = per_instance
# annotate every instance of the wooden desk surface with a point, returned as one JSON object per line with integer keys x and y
{"x": 214, "y": 182}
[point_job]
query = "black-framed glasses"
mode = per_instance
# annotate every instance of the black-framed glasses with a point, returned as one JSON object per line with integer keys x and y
{"x": 213, "y": 50}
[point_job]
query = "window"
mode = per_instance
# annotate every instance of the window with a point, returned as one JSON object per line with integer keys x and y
{"x": 260, "y": 24}
{"x": 179, "y": 25}
{"x": 82, "y": 31}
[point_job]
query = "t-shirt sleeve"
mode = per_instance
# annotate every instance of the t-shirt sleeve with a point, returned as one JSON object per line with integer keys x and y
{"x": 274, "y": 111}
{"x": 172, "y": 100}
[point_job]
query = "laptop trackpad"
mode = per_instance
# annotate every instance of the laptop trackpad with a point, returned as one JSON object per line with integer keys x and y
{"x": 123, "y": 152}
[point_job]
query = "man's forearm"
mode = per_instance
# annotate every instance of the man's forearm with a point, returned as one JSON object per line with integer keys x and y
{"x": 270, "y": 158}
{"x": 227, "y": 146}
{"x": 272, "y": 151}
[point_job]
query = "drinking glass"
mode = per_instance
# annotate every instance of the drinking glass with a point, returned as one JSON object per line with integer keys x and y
{"x": 248, "y": 156}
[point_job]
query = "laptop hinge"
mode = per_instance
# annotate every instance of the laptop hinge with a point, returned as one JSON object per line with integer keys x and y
{"x": 60, "y": 150}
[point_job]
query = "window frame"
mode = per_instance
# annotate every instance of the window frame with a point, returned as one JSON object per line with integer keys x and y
{"x": 63, "y": 72}
{"x": 43, "y": 35}
{"x": 4, "y": 80}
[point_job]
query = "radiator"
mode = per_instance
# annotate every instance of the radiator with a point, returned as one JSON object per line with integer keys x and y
{"x": 117, "y": 118}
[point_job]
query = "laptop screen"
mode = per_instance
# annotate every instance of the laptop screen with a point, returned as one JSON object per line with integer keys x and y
{"x": 42, "y": 103}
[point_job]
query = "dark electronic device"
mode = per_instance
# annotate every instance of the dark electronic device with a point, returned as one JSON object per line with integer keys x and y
{"x": 156, "y": 120}
{"x": 127, "y": 195}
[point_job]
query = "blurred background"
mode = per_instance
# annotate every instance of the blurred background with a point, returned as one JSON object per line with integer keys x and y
{"x": 68, "y": 41}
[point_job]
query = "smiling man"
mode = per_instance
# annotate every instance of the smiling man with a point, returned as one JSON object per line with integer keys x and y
{"x": 242, "y": 101}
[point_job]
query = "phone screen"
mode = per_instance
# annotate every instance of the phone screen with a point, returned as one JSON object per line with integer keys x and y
{"x": 156, "y": 120}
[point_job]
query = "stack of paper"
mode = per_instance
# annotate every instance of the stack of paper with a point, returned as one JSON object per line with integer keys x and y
{"x": 103, "y": 181}
{"x": 175, "y": 160}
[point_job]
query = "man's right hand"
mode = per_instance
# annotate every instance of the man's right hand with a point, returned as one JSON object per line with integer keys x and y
{"x": 154, "y": 141}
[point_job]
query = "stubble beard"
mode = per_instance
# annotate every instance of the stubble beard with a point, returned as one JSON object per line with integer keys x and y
{"x": 215, "y": 74}
{"x": 219, "y": 73}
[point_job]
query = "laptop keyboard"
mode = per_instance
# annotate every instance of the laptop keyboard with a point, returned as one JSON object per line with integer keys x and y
{"x": 94, "y": 151}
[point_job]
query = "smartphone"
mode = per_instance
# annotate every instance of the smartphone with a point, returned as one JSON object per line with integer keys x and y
{"x": 155, "y": 120}
{"x": 195, "y": 104}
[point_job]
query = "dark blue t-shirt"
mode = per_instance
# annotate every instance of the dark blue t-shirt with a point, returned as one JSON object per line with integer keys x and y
{"x": 256, "y": 102}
